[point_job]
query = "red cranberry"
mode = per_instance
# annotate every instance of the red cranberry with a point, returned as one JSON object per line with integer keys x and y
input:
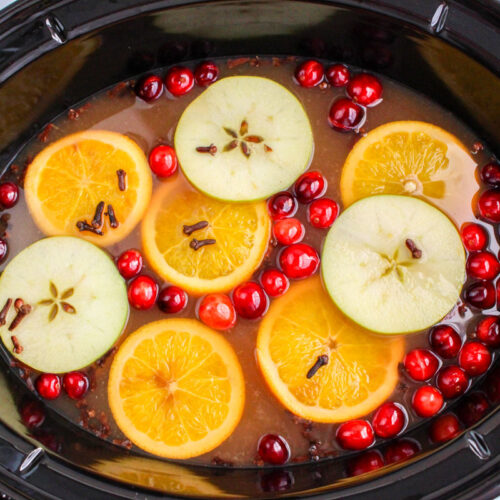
{"x": 149, "y": 88}
{"x": 9, "y": 194}
{"x": 474, "y": 237}
{"x": 365, "y": 89}
{"x": 142, "y": 292}
{"x": 309, "y": 73}
{"x": 346, "y": 115}
{"x": 366, "y": 462}
{"x": 172, "y": 299}
{"x": 32, "y": 414}
{"x": 288, "y": 231}
{"x": 48, "y": 385}
{"x": 452, "y": 381}
{"x": 389, "y": 420}
{"x": 427, "y": 401}
{"x": 130, "y": 263}
{"x": 490, "y": 174}
{"x": 483, "y": 266}
{"x": 355, "y": 435}
{"x": 276, "y": 481}
{"x": 444, "y": 428}
{"x": 179, "y": 80}
{"x": 473, "y": 408}
{"x": 282, "y": 205}
{"x": 274, "y": 282}
{"x": 273, "y": 449}
{"x": 163, "y": 160}
{"x": 481, "y": 295}
{"x": 206, "y": 73}
{"x": 217, "y": 311}
{"x": 250, "y": 300}
{"x": 3, "y": 249}
{"x": 310, "y": 186}
{"x": 401, "y": 450}
{"x": 488, "y": 331}
{"x": 323, "y": 212}
{"x": 48, "y": 439}
{"x": 445, "y": 341}
{"x": 338, "y": 75}
{"x": 75, "y": 384}
{"x": 421, "y": 364}
{"x": 474, "y": 358}
{"x": 489, "y": 205}
{"x": 299, "y": 261}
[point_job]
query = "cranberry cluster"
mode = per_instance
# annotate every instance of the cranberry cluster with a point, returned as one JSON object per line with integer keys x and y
{"x": 9, "y": 195}
{"x": 363, "y": 90}
{"x": 49, "y": 385}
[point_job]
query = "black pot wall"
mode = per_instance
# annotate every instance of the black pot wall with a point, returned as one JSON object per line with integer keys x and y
{"x": 55, "y": 54}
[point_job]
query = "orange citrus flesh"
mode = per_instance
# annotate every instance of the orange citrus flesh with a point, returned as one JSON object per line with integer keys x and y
{"x": 176, "y": 388}
{"x": 411, "y": 158}
{"x": 67, "y": 180}
{"x": 241, "y": 233}
{"x": 362, "y": 368}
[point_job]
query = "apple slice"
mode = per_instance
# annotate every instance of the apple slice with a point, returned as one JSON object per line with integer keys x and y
{"x": 244, "y": 139}
{"x": 77, "y": 303}
{"x": 393, "y": 264}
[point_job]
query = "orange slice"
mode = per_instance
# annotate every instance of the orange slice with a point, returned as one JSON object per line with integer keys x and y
{"x": 68, "y": 179}
{"x": 241, "y": 233}
{"x": 412, "y": 158}
{"x": 176, "y": 388}
{"x": 362, "y": 368}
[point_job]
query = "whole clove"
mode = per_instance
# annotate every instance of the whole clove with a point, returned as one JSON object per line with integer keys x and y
{"x": 321, "y": 361}
{"x": 197, "y": 244}
{"x": 187, "y": 230}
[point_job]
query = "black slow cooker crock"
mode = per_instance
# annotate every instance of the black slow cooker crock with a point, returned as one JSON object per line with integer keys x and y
{"x": 54, "y": 54}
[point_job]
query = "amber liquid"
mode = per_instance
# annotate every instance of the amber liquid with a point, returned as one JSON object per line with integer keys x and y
{"x": 150, "y": 124}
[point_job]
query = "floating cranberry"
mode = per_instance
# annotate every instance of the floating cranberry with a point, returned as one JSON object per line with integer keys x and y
{"x": 474, "y": 358}
{"x": 288, "y": 231}
{"x": 32, "y": 414}
{"x": 355, "y": 435}
{"x": 273, "y": 449}
{"x": 488, "y": 331}
{"x": 452, "y": 381}
{"x": 206, "y": 73}
{"x": 48, "y": 385}
{"x": 322, "y": 213}
{"x": 483, "y": 266}
{"x": 489, "y": 205}
{"x": 490, "y": 174}
{"x": 129, "y": 263}
{"x": 309, "y": 73}
{"x": 142, "y": 292}
{"x": 445, "y": 341}
{"x": 474, "y": 237}
{"x": 276, "y": 481}
{"x": 444, "y": 428}
{"x": 163, "y": 160}
{"x": 421, "y": 364}
{"x": 299, "y": 261}
{"x": 310, "y": 186}
{"x": 481, "y": 295}
{"x": 366, "y": 462}
{"x": 172, "y": 299}
{"x": 473, "y": 408}
{"x": 9, "y": 194}
{"x": 401, "y": 450}
{"x": 3, "y": 249}
{"x": 338, "y": 75}
{"x": 389, "y": 420}
{"x": 250, "y": 300}
{"x": 274, "y": 282}
{"x": 149, "y": 88}
{"x": 179, "y": 80}
{"x": 75, "y": 384}
{"x": 217, "y": 311}
{"x": 427, "y": 401}
{"x": 365, "y": 89}
{"x": 346, "y": 115}
{"x": 282, "y": 205}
